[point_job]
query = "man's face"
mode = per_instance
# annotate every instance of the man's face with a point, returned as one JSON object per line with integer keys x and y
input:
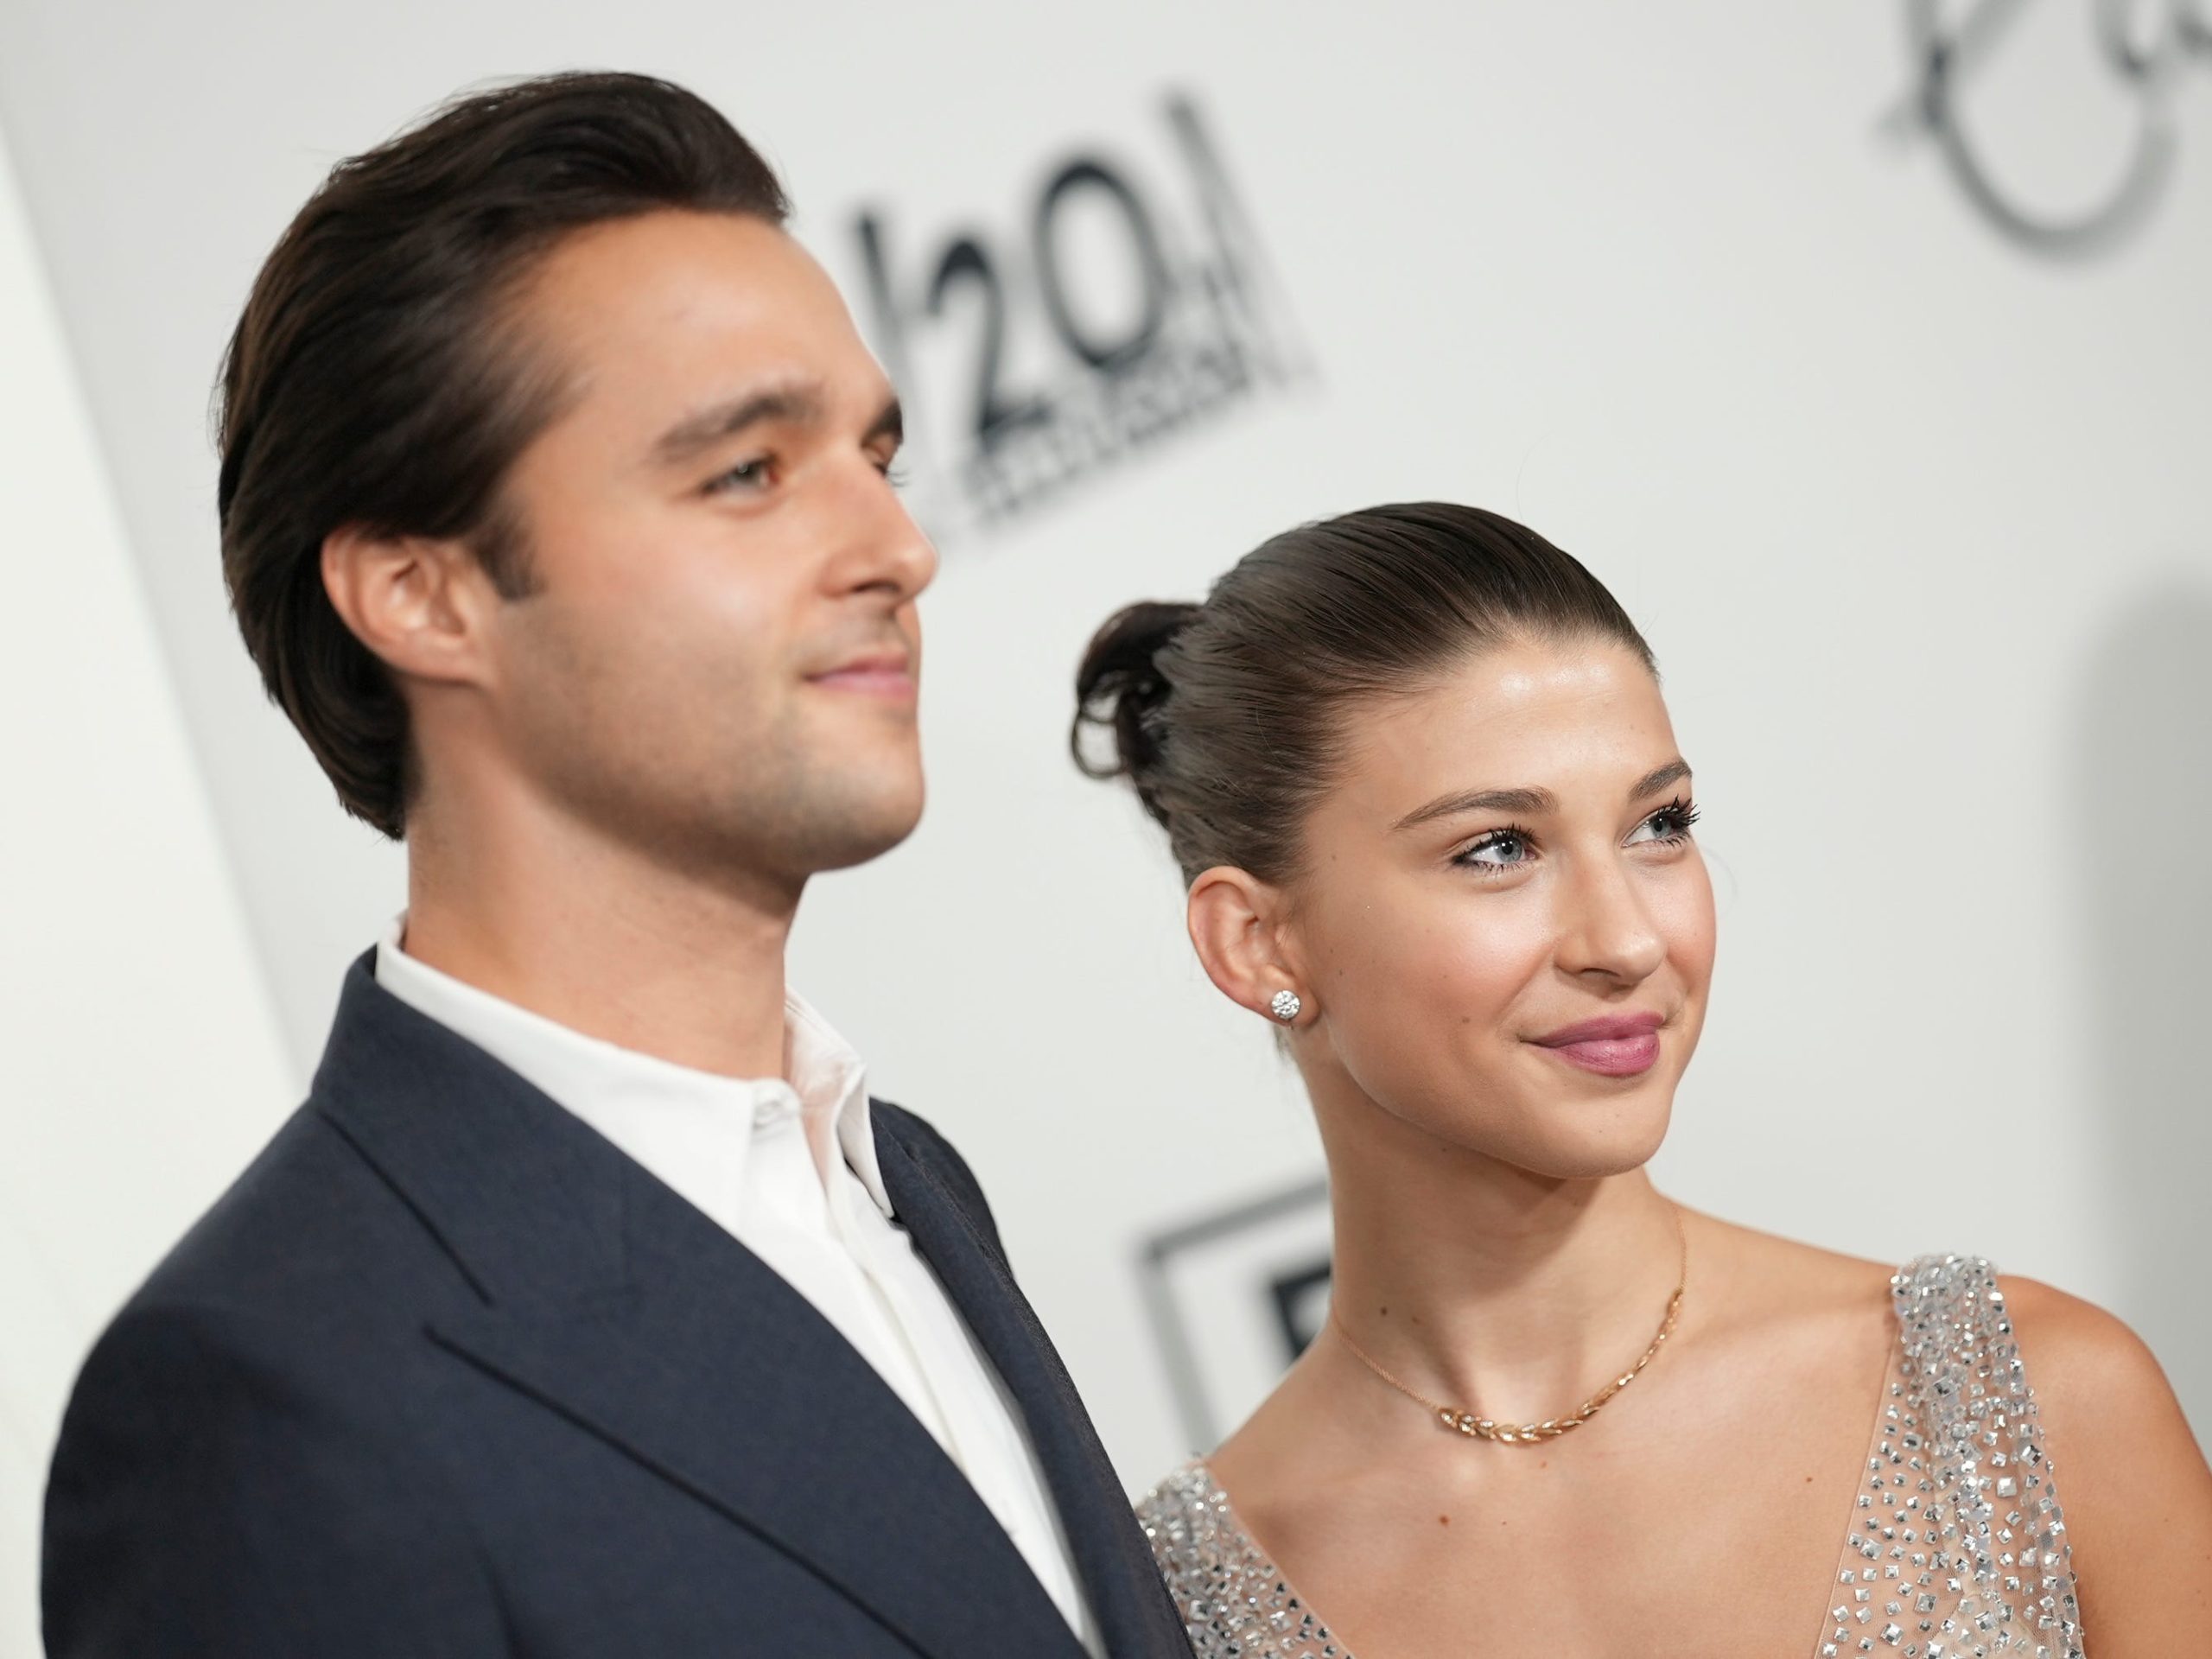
{"x": 718, "y": 665}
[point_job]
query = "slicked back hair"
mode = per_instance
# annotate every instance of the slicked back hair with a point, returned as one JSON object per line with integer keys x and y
{"x": 373, "y": 379}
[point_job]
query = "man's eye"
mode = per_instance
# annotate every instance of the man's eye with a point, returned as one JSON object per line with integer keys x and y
{"x": 745, "y": 475}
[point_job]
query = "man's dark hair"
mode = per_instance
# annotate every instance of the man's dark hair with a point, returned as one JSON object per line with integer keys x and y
{"x": 373, "y": 379}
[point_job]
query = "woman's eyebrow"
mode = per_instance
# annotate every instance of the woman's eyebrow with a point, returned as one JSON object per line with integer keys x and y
{"x": 1659, "y": 778}
{"x": 1528, "y": 802}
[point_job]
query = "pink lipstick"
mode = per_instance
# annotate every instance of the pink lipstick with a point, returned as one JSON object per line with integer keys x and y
{"x": 1617, "y": 1046}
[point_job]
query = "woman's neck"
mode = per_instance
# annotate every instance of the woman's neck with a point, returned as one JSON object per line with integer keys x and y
{"x": 1484, "y": 1286}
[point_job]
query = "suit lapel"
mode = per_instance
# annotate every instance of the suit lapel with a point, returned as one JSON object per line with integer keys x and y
{"x": 1132, "y": 1605}
{"x": 604, "y": 1297}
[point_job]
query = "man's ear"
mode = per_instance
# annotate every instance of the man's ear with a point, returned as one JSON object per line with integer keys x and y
{"x": 422, "y": 604}
{"x": 1237, "y": 922}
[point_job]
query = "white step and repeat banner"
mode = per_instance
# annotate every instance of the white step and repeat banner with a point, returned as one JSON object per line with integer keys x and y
{"x": 1861, "y": 346}
{"x": 141, "y": 1061}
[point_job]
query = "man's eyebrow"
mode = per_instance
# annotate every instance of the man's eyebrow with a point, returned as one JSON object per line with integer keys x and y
{"x": 891, "y": 423}
{"x": 798, "y": 403}
{"x": 1529, "y": 803}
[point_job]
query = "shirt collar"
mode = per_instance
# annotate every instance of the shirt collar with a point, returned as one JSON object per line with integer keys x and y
{"x": 614, "y": 1087}
{"x": 827, "y": 1074}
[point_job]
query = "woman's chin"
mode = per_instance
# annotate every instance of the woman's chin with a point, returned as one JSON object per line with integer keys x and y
{"x": 1584, "y": 1141}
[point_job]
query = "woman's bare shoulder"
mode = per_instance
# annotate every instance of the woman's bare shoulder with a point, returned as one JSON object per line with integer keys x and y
{"x": 2085, "y": 1362}
{"x": 2076, "y": 1346}
{"x": 2100, "y": 1387}
{"x": 2137, "y": 1492}
{"x": 1768, "y": 1277}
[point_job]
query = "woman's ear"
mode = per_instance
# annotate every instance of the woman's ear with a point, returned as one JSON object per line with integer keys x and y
{"x": 1236, "y": 925}
{"x": 420, "y": 604}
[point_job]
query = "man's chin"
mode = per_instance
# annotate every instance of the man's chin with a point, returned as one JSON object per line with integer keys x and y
{"x": 860, "y": 827}
{"x": 824, "y": 857}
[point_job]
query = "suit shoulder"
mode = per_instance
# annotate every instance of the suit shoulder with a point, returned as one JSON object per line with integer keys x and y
{"x": 196, "y": 1370}
{"x": 204, "y": 1358}
{"x": 209, "y": 1465}
{"x": 307, "y": 1235}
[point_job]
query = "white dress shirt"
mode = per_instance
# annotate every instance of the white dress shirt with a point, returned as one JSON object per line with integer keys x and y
{"x": 788, "y": 1168}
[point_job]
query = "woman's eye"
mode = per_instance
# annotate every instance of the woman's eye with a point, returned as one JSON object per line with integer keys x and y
{"x": 1669, "y": 826}
{"x": 1501, "y": 849}
{"x": 745, "y": 475}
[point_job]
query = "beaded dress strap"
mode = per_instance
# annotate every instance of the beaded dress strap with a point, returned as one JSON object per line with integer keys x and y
{"x": 1235, "y": 1602}
{"x": 1958, "y": 1547}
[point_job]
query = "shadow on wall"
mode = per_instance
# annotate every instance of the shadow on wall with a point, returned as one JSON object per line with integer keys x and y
{"x": 2144, "y": 748}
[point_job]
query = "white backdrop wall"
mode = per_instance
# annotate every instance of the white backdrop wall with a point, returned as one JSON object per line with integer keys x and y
{"x": 1914, "y": 515}
{"x": 140, "y": 1059}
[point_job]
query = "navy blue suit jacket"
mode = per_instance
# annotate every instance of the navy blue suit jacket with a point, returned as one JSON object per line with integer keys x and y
{"x": 447, "y": 1374}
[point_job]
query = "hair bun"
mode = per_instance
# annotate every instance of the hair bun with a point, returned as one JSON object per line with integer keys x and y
{"x": 1120, "y": 686}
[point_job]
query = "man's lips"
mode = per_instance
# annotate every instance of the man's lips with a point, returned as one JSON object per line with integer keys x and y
{"x": 1615, "y": 1046}
{"x": 882, "y": 674}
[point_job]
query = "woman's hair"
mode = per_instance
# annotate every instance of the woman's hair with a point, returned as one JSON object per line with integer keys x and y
{"x": 1227, "y": 716}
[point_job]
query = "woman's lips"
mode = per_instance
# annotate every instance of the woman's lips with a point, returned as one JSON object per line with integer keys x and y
{"x": 1619, "y": 1045}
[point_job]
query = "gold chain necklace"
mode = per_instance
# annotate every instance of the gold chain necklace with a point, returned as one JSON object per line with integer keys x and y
{"x": 1482, "y": 1428}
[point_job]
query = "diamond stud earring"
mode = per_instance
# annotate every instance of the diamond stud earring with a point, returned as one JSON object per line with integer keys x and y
{"x": 1285, "y": 1006}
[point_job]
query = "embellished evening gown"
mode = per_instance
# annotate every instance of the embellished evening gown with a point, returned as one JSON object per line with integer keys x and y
{"x": 1957, "y": 1548}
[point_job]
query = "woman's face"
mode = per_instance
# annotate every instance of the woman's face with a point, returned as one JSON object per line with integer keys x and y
{"x": 1505, "y": 923}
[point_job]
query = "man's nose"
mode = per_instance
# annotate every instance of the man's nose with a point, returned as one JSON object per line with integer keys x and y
{"x": 880, "y": 545}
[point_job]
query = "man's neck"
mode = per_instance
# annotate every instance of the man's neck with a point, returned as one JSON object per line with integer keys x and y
{"x": 597, "y": 936}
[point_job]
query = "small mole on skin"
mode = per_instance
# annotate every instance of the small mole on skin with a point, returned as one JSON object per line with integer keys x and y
{"x": 1443, "y": 1520}
{"x": 1386, "y": 1313}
